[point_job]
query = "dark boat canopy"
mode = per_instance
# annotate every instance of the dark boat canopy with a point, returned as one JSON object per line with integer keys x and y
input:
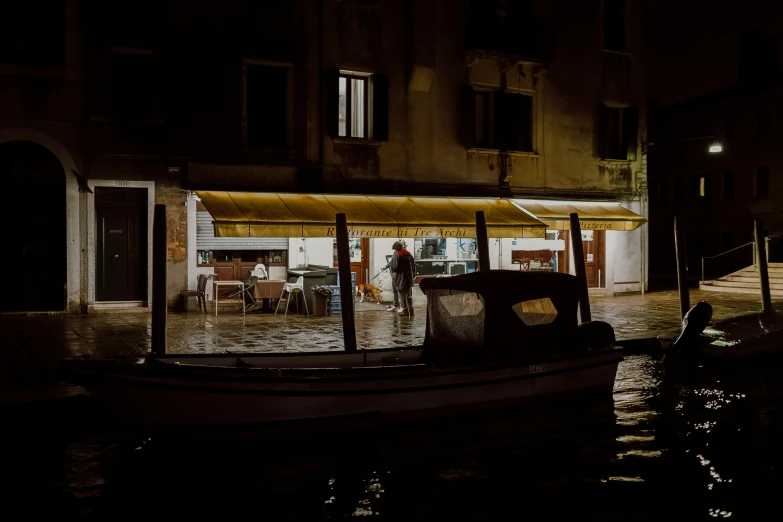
{"x": 501, "y": 310}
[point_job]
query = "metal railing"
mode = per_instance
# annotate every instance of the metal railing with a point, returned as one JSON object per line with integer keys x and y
{"x": 753, "y": 243}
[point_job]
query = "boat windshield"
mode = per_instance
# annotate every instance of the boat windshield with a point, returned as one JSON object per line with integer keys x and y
{"x": 455, "y": 317}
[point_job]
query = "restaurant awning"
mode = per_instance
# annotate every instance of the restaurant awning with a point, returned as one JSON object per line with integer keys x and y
{"x": 592, "y": 216}
{"x": 251, "y": 214}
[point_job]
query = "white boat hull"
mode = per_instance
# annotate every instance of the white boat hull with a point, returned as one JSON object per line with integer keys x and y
{"x": 230, "y": 397}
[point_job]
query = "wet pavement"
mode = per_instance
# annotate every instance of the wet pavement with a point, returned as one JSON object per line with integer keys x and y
{"x": 34, "y": 343}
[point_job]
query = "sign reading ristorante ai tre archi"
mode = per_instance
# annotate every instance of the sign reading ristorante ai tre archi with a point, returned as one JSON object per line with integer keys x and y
{"x": 395, "y": 232}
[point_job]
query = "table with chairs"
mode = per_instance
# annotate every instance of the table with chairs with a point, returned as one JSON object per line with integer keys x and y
{"x": 257, "y": 291}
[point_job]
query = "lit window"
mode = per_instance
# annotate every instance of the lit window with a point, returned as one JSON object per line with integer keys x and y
{"x": 536, "y": 312}
{"x": 352, "y": 108}
{"x": 701, "y": 187}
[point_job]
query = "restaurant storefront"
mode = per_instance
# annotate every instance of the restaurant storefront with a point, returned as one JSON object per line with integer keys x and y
{"x": 440, "y": 232}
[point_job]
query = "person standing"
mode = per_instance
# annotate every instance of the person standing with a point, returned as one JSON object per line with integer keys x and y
{"x": 403, "y": 269}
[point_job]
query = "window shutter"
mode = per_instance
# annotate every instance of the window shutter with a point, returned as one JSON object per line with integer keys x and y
{"x": 380, "y": 107}
{"x": 503, "y": 122}
{"x": 467, "y": 116}
{"x": 631, "y": 128}
{"x": 525, "y": 123}
{"x": 603, "y": 129}
{"x": 332, "y": 101}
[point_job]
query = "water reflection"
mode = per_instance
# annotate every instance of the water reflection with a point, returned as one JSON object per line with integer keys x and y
{"x": 690, "y": 445}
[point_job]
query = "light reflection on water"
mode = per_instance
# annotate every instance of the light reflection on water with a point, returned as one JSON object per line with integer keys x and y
{"x": 690, "y": 445}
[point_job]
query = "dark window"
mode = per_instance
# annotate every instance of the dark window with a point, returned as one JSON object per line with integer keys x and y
{"x": 266, "y": 120}
{"x": 497, "y": 120}
{"x": 133, "y": 91}
{"x": 481, "y": 105}
{"x": 512, "y": 116}
{"x": 762, "y": 182}
{"x": 33, "y": 33}
{"x": 614, "y": 25}
{"x": 727, "y": 240}
{"x": 728, "y": 185}
{"x": 762, "y": 122}
{"x": 618, "y": 135}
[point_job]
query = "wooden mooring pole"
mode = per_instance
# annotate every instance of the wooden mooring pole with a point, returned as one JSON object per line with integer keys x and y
{"x": 482, "y": 241}
{"x": 682, "y": 269}
{"x": 159, "y": 281}
{"x": 579, "y": 268}
{"x": 346, "y": 294}
{"x": 761, "y": 259}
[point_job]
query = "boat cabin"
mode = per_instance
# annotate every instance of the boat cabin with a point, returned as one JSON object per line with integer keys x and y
{"x": 502, "y": 315}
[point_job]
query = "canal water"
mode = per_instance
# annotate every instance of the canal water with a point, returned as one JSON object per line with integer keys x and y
{"x": 701, "y": 444}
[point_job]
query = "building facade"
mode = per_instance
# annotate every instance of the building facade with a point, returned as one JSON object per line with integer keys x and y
{"x": 713, "y": 164}
{"x": 110, "y": 108}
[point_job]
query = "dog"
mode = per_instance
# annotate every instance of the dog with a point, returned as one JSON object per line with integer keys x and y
{"x": 368, "y": 289}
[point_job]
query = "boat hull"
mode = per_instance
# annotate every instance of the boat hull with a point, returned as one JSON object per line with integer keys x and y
{"x": 751, "y": 337}
{"x": 230, "y": 398}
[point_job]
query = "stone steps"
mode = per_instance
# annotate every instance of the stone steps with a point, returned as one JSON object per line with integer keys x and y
{"x": 746, "y": 281}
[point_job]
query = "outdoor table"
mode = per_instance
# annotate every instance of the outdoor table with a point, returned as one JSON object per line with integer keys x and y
{"x": 266, "y": 290}
{"x": 218, "y": 284}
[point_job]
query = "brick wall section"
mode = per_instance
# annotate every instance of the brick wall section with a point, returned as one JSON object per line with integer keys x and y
{"x": 171, "y": 194}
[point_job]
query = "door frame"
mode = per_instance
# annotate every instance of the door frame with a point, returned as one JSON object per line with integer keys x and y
{"x": 92, "y": 244}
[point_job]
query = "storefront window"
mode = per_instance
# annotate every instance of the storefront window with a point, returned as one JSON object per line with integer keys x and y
{"x": 354, "y": 247}
{"x": 429, "y": 248}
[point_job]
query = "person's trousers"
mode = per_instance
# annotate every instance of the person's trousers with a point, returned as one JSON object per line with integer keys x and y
{"x": 406, "y": 299}
{"x": 396, "y": 302}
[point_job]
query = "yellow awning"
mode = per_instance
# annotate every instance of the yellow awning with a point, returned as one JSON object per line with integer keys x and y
{"x": 250, "y": 214}
{"x": 592, "y": 216}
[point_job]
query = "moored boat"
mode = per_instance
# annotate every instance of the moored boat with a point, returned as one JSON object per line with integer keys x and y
{"x": 492, "y": 337}
{"x": 745, "y": 337}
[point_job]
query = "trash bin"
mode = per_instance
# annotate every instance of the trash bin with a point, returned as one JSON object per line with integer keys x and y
{"x": 331, "y": 273}
{"x": 320, "y": 304}
{"x": 311, "y": 278}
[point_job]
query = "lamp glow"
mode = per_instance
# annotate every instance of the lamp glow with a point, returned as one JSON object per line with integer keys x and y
{"x": 715, "y": 148}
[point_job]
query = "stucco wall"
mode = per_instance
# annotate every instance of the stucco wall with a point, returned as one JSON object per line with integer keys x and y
{"x": 424, "y": 127}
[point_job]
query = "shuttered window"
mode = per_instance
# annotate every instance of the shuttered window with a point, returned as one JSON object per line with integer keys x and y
{"x": 496, "y": 120}
{"x": 618, "y": 132}
{"x": 357, "y": 105}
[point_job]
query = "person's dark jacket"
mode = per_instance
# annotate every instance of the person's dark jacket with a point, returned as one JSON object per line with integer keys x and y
{"x": 403, "y": 269}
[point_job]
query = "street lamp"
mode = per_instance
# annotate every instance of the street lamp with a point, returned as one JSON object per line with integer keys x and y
{"x": 715, "y": 148}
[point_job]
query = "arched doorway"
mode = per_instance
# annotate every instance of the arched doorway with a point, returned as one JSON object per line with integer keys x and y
{"x": 33, "y": 214}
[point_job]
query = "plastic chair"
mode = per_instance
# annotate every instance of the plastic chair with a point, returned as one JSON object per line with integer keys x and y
{"x": 260, "y": 271}
{"x": 293, "y": 288}
{"x": 245, "y": 293}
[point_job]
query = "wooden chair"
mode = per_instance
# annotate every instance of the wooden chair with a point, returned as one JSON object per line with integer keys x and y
{"x": 199, "y": 293}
